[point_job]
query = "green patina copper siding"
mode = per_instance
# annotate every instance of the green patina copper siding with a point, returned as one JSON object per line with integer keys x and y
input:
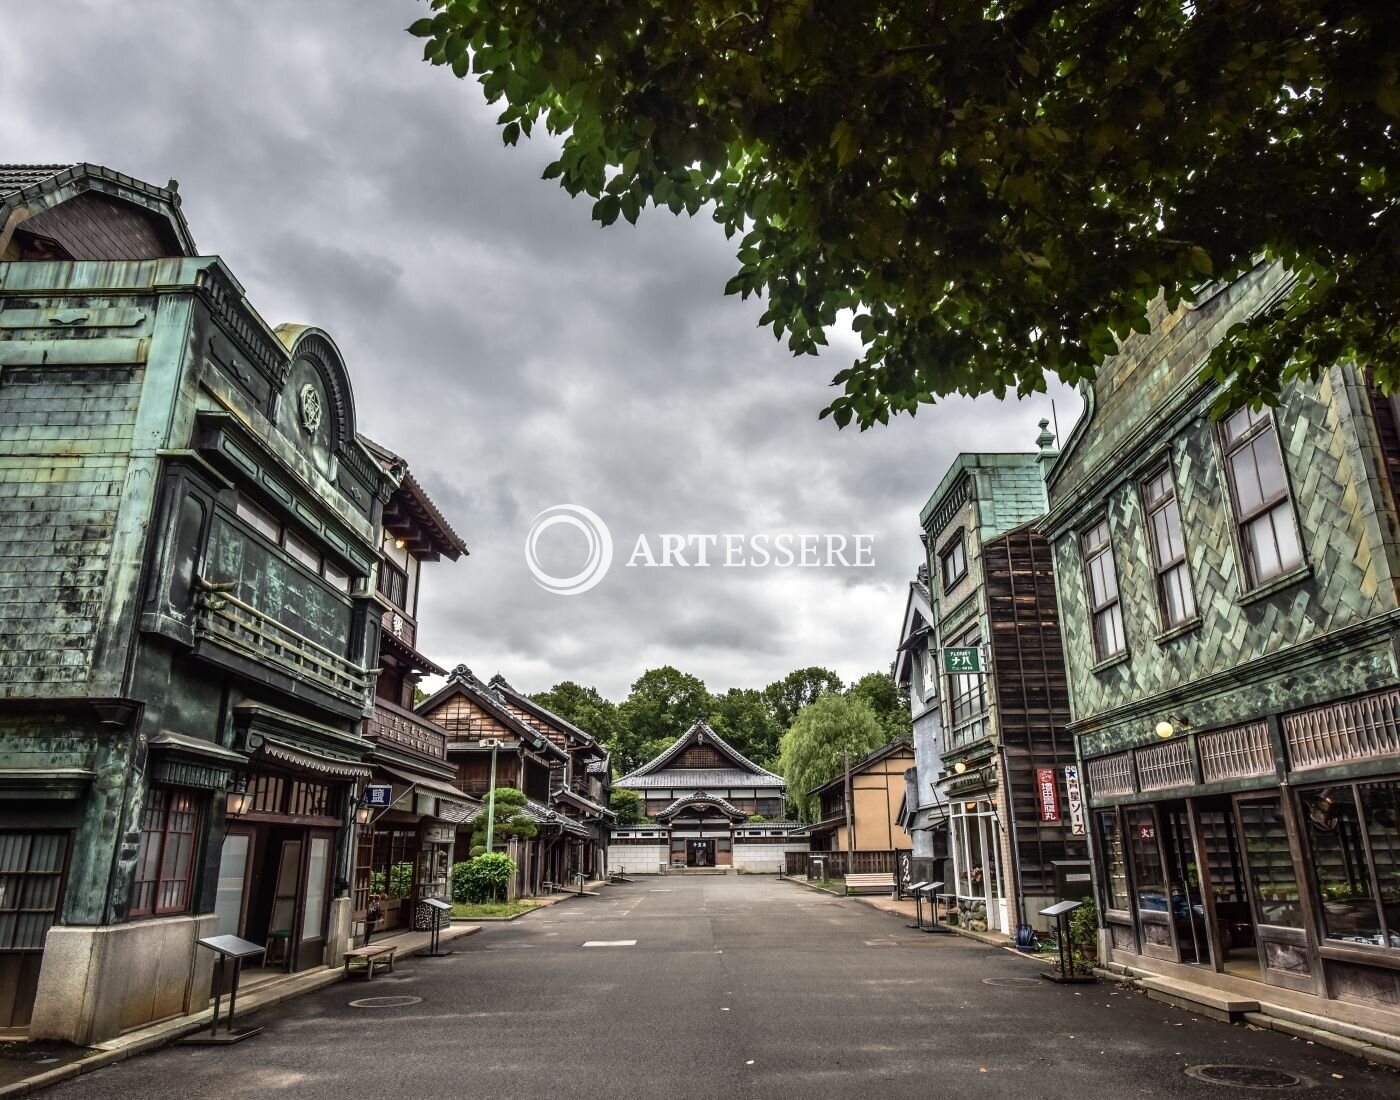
{"x": 65, "y": 438}
{"x": 1259, "y": 652}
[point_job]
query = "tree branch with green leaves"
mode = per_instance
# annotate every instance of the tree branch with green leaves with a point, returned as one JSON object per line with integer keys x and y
{"x": 993, "y": 192}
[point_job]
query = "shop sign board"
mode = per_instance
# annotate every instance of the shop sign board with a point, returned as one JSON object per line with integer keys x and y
{"x": 962, "y": 659}
{"x": 1075, "y": 798}
{"x": 379, "y": 794}
{"x": 1048, "y": 793}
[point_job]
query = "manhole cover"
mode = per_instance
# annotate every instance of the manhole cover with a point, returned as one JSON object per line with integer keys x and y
{"x": 1246, "y": 1077}
{"x": 385, "y": 1002}
{"x": 1010, "y": 981}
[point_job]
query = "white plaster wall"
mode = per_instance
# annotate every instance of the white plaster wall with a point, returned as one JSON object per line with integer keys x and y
{"x": 764, "y": 859}
{"x": 637, "y": 859}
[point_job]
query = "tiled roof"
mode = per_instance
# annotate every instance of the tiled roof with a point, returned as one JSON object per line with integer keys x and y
{"x": 699, "y": 778}
{"x": 700, "y": 732}
{"x": 16, "y": 177}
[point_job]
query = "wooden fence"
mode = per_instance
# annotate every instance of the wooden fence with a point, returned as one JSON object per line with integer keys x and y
{"x": 837, "y": 865}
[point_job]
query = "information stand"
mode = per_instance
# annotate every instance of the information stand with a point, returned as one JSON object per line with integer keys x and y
{"x": 438, "y": 911}
{"x": 226, "y": 948}
{"x": 915, "y": 888}
{"x": 931, "y": 892}
{"x": 1061, "y": 911}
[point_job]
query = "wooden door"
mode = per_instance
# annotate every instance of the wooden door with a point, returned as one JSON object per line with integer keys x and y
{"x": 33, "y": 873}
{"x": 1150, "y": 885}
{"x": 314, "y": 910}
{"x": 1271, "y": 856}
{"x": 231, "y": 892}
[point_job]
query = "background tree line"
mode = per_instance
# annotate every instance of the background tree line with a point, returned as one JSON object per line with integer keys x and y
{"x": 664, "y": 702}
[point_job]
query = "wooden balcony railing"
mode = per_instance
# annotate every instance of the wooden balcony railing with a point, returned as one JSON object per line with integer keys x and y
{"x": 224, "y": 618}
{"x": 393, "y": 725}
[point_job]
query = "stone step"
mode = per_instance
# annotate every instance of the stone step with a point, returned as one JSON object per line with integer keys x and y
{"x": 1215, "y": 1003}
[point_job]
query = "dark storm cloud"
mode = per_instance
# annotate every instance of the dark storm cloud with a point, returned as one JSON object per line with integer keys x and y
{"x": 516, "y": 354}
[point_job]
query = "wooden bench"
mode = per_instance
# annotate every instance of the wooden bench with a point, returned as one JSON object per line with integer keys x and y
{"x": 373, "y": 955}
{"x": 883, "y": 883}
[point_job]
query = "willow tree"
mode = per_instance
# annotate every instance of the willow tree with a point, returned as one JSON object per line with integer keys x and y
{"x": 814, "y": 750}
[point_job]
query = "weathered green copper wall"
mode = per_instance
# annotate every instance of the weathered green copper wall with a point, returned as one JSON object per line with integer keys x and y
{"x": 1307, "y": 637}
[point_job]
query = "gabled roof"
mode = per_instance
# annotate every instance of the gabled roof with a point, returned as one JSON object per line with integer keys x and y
{"x": 563, "y": 725}
{"x": 413, "y": 512}
{"x": 462, "y": 681}
{"x": 918, "y": 619}
{"x": 701, "y": 733}
{"x": 28, "y": 190}
{"x": 568, "y": 794}
{"x": 865, "y": 761}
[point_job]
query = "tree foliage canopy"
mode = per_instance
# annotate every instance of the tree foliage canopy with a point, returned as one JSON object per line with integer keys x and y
{"x": 812, "y": 750}
{"x": 995, "y": 189}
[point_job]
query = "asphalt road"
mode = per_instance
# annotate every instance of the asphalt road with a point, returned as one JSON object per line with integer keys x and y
{"x": 735, "y": 987}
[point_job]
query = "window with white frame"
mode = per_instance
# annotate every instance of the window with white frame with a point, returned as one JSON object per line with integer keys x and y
{"x": 953, "y": 563}
{"x": 1101, "y": 576}
{"x": 967, "y": 691}
{"x": 1174, "y": 595}
{"x": 1259, "y": 493}
{"x": 928, "y": 669}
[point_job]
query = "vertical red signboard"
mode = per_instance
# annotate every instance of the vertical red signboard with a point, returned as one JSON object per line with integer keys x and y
{"x": 1049, "y": 794}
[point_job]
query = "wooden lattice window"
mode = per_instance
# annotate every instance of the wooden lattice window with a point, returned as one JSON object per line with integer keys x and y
{"x": 1110, "y": 775}
{"x": 1174, "y": 595}
{"x": 1355, "y": 729}
{"x": 165, "y": 859}
{"x": 1259, "y": 491}
{"x": 1236, "y": 753}
{"x": 1161, "y": 767}
{"x": 1101, "y": 576}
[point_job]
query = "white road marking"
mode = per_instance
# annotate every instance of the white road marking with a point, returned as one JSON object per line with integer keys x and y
{"x": 610, "y": 943}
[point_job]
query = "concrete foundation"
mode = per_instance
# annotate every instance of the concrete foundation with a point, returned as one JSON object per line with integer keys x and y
{"x": 99, "y": 982}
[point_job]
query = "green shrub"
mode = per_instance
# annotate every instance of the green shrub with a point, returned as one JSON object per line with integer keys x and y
{"x": 1084, "y": 931}
{"x": 482, "y": 878}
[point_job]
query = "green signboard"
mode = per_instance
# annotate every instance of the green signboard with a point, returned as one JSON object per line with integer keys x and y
{"x": 962, "y": 660}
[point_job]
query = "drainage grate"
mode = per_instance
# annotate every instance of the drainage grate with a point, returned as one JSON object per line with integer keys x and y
{"x": 386, "y": 1002}
{"x": 1010, "y": 981}
{"x": 1247, "y": 1077}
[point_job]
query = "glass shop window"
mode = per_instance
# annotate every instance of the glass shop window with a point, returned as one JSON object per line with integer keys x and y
{"x": 1273, "y": 878}
{"x": 1149, "y": 876}
{"x": 1111, "y": 837}
{"x": 1355, "y": 844}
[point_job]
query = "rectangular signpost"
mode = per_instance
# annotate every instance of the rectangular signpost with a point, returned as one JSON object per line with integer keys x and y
{"x": 962, "y": 659}
{"x": 379, "y": 794}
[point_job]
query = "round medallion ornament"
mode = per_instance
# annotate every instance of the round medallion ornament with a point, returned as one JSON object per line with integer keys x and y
{"x": 311, "y": 408}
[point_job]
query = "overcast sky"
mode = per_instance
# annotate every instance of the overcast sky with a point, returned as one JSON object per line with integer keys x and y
{"x": 515, "y": 353}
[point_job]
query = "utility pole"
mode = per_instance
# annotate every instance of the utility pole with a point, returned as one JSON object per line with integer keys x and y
{"x": 850, "y": 821}
{"x": 491, "y": 798}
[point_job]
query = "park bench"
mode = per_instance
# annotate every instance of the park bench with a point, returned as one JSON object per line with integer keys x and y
{"x": 373, "y": 955}
{"x": 882, "y": 883}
